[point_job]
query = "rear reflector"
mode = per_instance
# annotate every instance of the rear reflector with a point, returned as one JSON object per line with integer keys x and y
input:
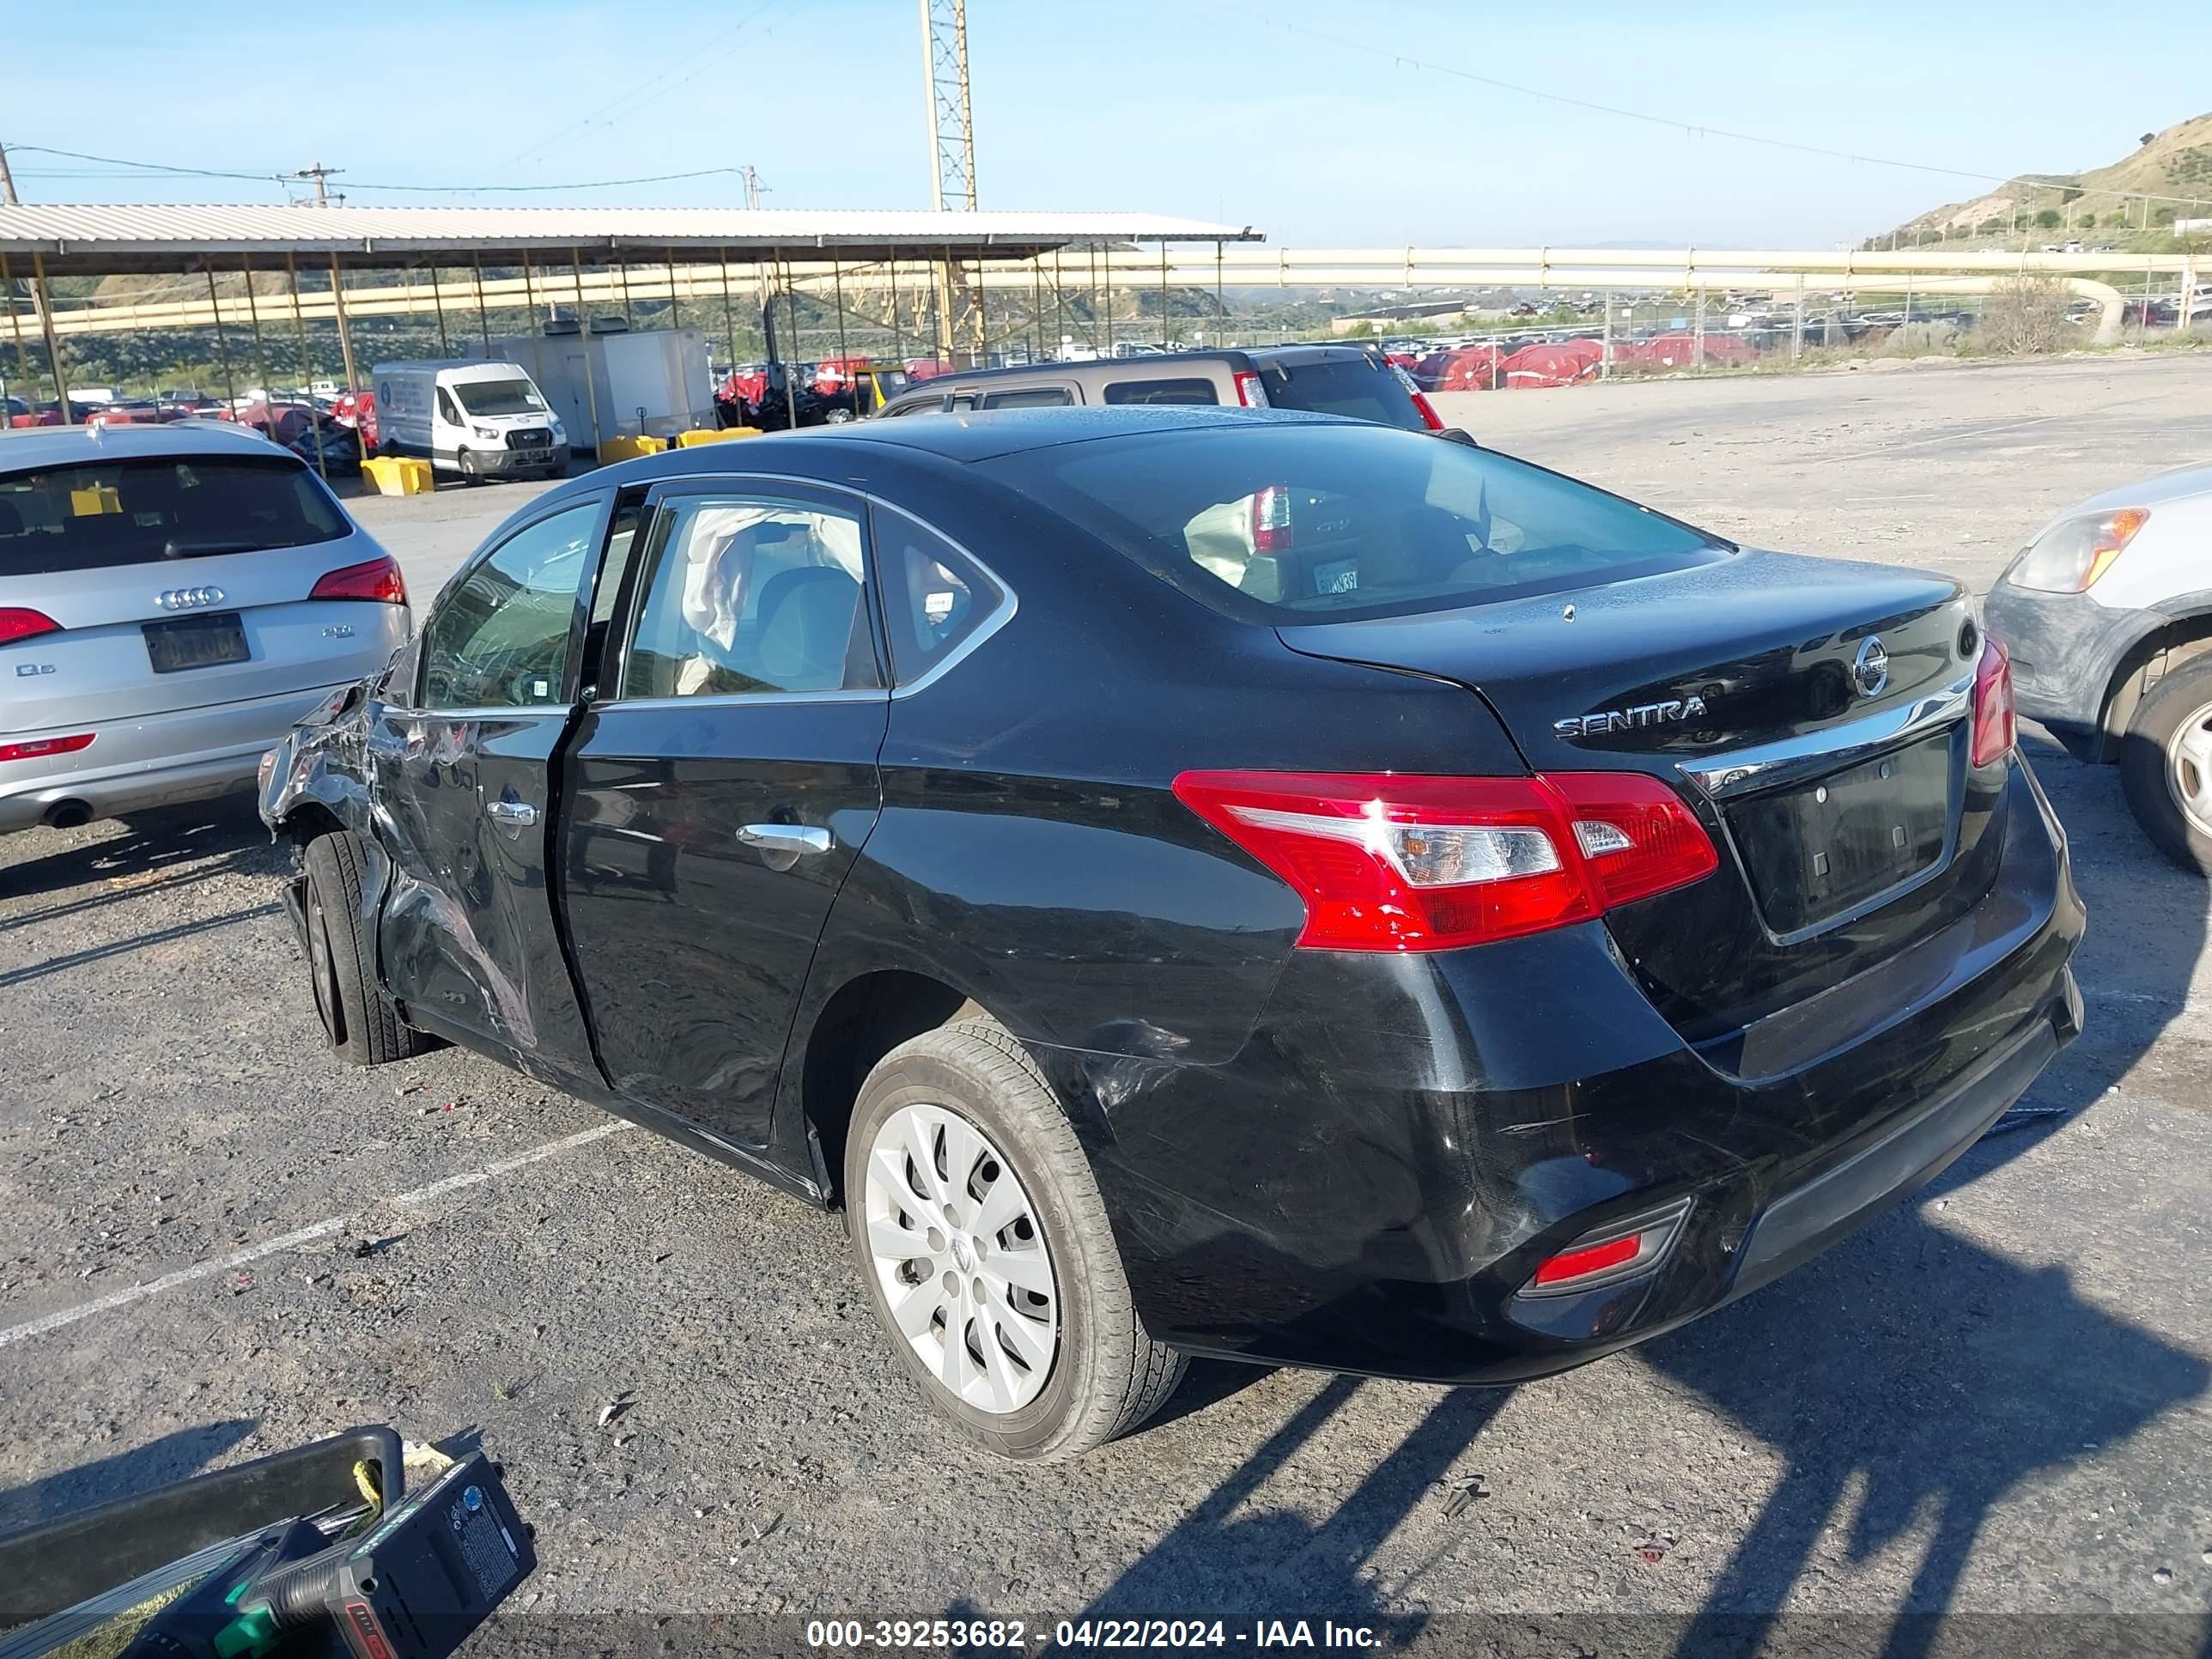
{"x": 1626, "y": 1249}
{"x": 17, "y": 623}
{"x": 32, "y": 748}
{"x": 1391, "y": 862}
{"x": 378, "y": 579}
{"x": 1995, "y": 727}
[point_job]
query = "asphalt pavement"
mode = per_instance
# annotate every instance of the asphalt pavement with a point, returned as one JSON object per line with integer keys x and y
{"x": 216, "y": 1242}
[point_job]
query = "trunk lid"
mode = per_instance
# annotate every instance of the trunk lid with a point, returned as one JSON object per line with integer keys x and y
{"x": 1812, "y": 712}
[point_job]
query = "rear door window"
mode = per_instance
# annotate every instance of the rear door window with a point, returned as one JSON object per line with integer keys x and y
{"x": 102, "y": 515}
{"x": 1356, "y": 387}
{"x": 1186, "y": 391}
{"x": 748, "y": 595}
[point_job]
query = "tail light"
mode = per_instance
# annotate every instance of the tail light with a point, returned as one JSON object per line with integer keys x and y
{"x": 18, "y": 624}
{"x": 1429, "y": 418}
{"x": 1250, "y": 394}
{"x": 1390, "y": 862}
{"x": 1994, "y": 725}
{"x": 378, "y": 579}
{"x": 33, "y": 748}
{"x": 1627, "y": 1249}
{"x": 1271, "y": 519}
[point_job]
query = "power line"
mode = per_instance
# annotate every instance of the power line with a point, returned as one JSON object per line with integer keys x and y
{"x": 1694, "y": 129}
{"x": 143, "y": 168}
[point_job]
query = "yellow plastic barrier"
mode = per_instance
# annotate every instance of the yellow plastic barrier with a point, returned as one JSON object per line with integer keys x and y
{"x": 91, "y": 503}
{"x": 629, "y": 449}
{"x": 399, "y": 475}
{"x": 700, "y": 434}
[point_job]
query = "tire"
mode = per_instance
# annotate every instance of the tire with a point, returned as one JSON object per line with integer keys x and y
{"x": 470, "y": 472}
{"x": 2166, "y": 765}
{"x": 358, "y": 1020}
{"x": 1095, "y": 1375}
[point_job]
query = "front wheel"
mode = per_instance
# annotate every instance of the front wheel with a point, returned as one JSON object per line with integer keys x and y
{"x": 2166, "y": 766}
{"x": 471, "y": 468}
{"x": 358, "y": 1020}
{"x": 985, "y": 1247}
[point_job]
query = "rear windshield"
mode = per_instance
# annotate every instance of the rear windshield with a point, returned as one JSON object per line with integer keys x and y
{"x": 1364, "y": 391}
{"x": 499, "y": 396}
{"x": 1282, "y": 523}
{"x": 103, "y": 513}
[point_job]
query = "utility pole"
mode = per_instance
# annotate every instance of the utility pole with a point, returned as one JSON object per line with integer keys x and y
{"x": 319, "y": 173}
{"x": 752, "y": 187}
{"x": 8, "y": 197}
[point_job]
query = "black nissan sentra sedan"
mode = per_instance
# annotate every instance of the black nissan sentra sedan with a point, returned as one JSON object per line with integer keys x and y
{"x": 1192, "y": 881}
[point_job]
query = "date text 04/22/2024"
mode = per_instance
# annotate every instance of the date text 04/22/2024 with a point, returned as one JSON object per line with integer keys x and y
{"x": 1012, "y": 1635}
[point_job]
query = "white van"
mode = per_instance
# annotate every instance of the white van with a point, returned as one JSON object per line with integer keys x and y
{"x": 480, "y": 420}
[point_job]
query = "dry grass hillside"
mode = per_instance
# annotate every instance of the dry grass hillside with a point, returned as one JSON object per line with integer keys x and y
{"x": 2176, "y": 163}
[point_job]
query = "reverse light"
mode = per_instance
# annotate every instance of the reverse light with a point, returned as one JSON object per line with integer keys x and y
{"x": 1250, "y": 392}
{"x": 1392, "y": 862}
{"x": 1627, "y": 1249}
{"x": 2069, "y": 556}
{"x": 34, "y": 748}
{"x": 1996, "y": 725}
{"x": 377, "y": 579}
{"x": 18, "y": 623}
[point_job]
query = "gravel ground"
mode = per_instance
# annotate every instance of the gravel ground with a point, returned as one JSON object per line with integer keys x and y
{"x": 214, "y": 1242}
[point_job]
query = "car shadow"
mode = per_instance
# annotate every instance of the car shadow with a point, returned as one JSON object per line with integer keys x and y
{"x": 137, "y": 851}
{"x": 159, "y": 1463}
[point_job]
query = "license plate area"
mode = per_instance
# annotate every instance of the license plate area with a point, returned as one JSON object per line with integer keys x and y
{"x": 1839, "y": 845}
{"x": 193, "y": 642}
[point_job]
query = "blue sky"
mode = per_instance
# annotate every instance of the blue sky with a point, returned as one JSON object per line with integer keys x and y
{"x": 1211, "y": 108}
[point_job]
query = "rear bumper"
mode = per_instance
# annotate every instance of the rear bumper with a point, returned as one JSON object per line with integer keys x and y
{"x": 154, "y": 760}
{"x": 1369, "y": 1185}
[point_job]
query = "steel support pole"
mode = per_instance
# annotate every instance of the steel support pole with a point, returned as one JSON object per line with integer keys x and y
{"x": 483, "y": 315}
{"x": 898, "y": 330}
{"x": 253, "y": 316}
{"x": 1037, "y": 302}
{"x": 621, "y": 269}
{"x": 584, "y": 340}
{"x": 837, "y": 284}
{"x": 729, "y": 316}
{"x": 222, "y": 343}
{"x": 308, "y": 369}
{"x": 1110, "y": 297}
{"x": 675, "y": 315}
{"x": 1604, "y": 359}
{"x": 1164, "y": 290}
{"x": 438, "y": 302}
{"x": 44, "y": 307}
{"x": 15, "y": 327}
{"x": 791, "y": 311}
{"x": 345, "y": 330}
{"x": 530, "y": 292}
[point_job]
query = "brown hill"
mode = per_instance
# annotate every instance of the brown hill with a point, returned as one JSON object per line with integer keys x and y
{"x": 2175, "y": 164}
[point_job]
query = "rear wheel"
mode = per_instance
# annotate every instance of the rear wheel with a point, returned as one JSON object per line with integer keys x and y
{"x": 358, "y": 1020}
{"x": 2166, "y": 766}
{"x": 984, "y": 1244}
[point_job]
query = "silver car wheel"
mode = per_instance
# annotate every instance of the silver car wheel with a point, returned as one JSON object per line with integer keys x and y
{"x": 2189, "y": 769}
{"x": 960, "y": 1253}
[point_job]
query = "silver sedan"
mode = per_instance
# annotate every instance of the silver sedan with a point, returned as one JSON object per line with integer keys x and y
{"x": 171, "y": 598}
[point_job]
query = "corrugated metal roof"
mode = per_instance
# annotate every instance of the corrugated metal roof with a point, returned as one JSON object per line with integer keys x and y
{"x": 96, "y": 240}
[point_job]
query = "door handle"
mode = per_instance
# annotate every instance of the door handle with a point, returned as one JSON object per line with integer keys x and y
{"x": 514, "y": 814}
{"x": 793, "y": 839}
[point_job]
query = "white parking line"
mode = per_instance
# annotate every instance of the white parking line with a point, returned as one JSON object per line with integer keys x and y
{"x": 421, "y": 1197}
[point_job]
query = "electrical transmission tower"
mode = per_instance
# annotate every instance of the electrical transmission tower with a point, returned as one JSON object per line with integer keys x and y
{"x": 952, "y": 165}
{"x": 952, "y": 129}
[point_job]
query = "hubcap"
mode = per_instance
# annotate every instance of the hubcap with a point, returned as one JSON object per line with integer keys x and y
{"x": 2189, "y": 769}
{"x": 961, "y": 1258}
